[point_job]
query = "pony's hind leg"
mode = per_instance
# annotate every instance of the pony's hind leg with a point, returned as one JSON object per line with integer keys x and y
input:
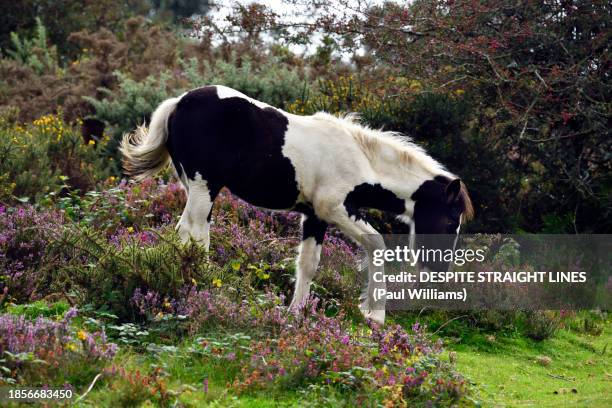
{"x": 195, "y": 220}
{"x": 313, "y": 232}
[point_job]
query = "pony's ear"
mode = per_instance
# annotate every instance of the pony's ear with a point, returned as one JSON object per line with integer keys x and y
{"x": 452, "y": 190}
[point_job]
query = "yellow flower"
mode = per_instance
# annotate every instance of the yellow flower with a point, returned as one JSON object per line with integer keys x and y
{"x": 459, "y": 92}
{"x": 193, "y": 281}
{"x": 91, "y": 142}
{"x": 82, "y": 335}
{"x": 217, "y": 282}
{"x": 71, "y": 347}
{"x": 130, "y": 229}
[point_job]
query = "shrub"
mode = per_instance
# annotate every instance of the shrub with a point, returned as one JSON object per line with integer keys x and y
{"x": 315, "y": 349}
{"x": 24, "y": 238}
{"x": 47, "y": 156}
{"x": 541, "y": 325}
{"x": 130, "y": 105}
{"x": 36, "y": 83}
{"x": 35, "y": 352}
{"x": 101, "y": 246}
{"x": 271, "y": 81}
{"x": 132, "y": 388}
{"x": 39, "y": 308}
{"x": 35, "y": 52}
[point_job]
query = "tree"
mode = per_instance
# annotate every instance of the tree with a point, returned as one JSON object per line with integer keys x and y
{"x": 538, "y": 76}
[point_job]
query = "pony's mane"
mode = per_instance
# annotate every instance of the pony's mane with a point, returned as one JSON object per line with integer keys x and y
{"x": 371, "y": 141}
{"x": 468, "y": 211}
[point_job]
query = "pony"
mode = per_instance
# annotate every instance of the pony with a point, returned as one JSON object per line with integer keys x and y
{"x": 323, "y": 166}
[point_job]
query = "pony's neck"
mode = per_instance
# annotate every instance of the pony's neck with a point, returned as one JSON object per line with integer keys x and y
{"x": 404, "y": 178}
{"x": 400, "y": 165}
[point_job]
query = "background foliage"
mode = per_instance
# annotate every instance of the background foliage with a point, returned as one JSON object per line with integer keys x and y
{"x": 513, "y": 97}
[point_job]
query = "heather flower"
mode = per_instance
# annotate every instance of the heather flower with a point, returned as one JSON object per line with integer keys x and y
{"x": 51, "y": 340}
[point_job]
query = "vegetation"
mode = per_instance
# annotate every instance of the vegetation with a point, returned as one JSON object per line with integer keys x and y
{"x": 96, "y": 289}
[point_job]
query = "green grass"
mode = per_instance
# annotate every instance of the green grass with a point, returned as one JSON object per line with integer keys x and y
{"x": 505, "y": 372}
{"x": 185, "y": 373}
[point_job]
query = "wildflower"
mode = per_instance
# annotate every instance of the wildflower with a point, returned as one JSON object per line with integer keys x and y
{"x": 82, "y": 335}
{"x": 130, "y": 229}
{"x": 91, "y": 142}
{"x": 71, "y": 347}
{"x": 217, "y": 282}
{"x": 459, "y": 92}
{"x": 70, "y": 314}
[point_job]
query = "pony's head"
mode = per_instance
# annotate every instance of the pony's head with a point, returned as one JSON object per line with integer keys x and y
{"x": 441, "y": 205}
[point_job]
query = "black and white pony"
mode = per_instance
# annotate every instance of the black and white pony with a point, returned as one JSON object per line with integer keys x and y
{"x": 325, "y": 167}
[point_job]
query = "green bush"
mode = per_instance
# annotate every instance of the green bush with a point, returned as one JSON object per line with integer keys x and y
{"x": 39, "y": 308}
{"x": 45, "y": 157}
{"x": 541, "y": 325}
{"x": 106, "y": 273}
{"x": 130, "y": 105}
{"x": 35, "y": 52}
{"x": 272, "y": 81}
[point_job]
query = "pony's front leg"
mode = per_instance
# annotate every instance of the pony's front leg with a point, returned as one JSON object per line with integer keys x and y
{"x": 364, "y": 234}
{"x": 313, "y": 233}
{"x": 371, "y": 307}
{"x": 195, "y": 220}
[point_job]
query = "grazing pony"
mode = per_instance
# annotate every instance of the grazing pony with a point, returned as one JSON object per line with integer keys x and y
{"x": 323, "y": 166}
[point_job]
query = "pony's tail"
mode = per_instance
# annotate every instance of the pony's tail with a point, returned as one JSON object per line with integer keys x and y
{"x": 144, "y": 150}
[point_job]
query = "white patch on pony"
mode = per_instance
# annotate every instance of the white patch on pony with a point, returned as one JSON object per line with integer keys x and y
{"x": 405, "y": 219}
{"x": 307, "y": 263}
{"x": 224, "y": 92}
{"x": 194, "y": 220}
{"x": 183, "y": 178}
{"x": 458, "y": 228}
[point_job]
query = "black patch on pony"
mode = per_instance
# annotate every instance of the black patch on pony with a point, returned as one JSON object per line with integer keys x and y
{"x": 368, "y": 195}
{"x": 312, "y": 226}
{"x": 437, "y": 210}
{"x": 233, "y": 143}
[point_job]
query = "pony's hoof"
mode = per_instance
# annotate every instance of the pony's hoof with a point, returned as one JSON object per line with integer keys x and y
{"x": 375, "y": 316}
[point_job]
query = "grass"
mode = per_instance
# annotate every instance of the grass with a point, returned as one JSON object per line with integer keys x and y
{"x": 185, "y": 374}
{"x": 513, "y": 372}
{"x": 509, "y": 370}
